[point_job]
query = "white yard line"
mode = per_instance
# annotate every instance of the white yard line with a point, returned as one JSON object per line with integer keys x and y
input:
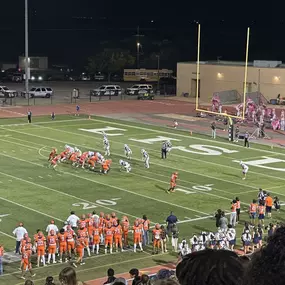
{"x": 39, "y": 123}
{"x": 161, "y": 165}
{"x": 59, "y": 192}
{"x": 177, "y": 155}
{"x": 97, "y": 182}
{"x": 7, "y": 235}
{"x": 30, "y": 209}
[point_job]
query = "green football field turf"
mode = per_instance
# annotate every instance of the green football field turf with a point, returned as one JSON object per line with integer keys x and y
{"x": 209, "y": 178}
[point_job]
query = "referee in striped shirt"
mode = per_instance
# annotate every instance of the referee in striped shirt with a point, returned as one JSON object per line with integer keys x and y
{"x": 164, "y": 150}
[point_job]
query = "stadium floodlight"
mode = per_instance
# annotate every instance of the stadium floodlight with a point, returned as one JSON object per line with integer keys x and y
{"x": 198, "y": 78}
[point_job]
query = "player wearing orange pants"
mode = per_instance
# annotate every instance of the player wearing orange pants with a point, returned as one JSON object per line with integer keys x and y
{"x": 118, "y": 236}
{"x": 70, "y": 241}
{"x": 109, "y": 232}
{"x": 40, "y": 243}
{"x": 80, "y": 245}
{"x": 62, "y": 237}
{"x": 156, "y": 233}
{"x": 137, "y": 231}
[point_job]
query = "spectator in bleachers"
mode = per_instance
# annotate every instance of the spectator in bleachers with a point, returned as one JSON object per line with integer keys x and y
{"x": 214, "y": 267}
{"x": 145, "y": 280}
{"x": 267, "y": 264}
{"x": 135, "y": 274}
{"x": 111, "y": 276}
{"x": 120, "y": 281}
{"x": 166, "y": 282}
{"x": 67, "y": 276}
{"x": 50, "y": 281}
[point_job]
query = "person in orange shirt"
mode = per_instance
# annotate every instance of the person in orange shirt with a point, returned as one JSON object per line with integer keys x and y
{"x": 83, "y": 233}
{"x": 113, "y": 218}
{"x": 26, "y": 257}
{"x": 268, "y": 203}
{"x": 52, "y": 243}
{"x": 52, "y": 154}
{"x": 253, "y": 212}
{"x": 62, "y": 237}
{"x": 92, "y": 162}
{"x": 55, "y": 161}
{"x": 146, "y": 224}
{"x": 173, "y": 179}
{"x": 109, "y": 232}
{"x": 125, "y": 228}
{"x": 22, "y": 245}
{"x": 156, "y": 234}
{"x": 118, "y": 236}
{"x": 97, "y": 231}
{"x": 90, "y": 227}
{"x": 80, "y": 245}
{"x": 70, "y": 240}
{"x": 105, "y": 167}
{"x": 73, "y": 158}
{"x": 137, "y": 232}
{"x": 40, "y": 244}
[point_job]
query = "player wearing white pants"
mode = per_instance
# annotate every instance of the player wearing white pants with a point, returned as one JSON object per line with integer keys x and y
{"x": 244, "y": 169}
{"x": 145, "y": 158}
{"x": 125, "y": 165}
{"x": 128, "y": 151}
{"x": 106, "y": 145}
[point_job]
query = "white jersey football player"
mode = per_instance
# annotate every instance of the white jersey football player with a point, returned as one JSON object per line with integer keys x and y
{"x": 145, "y": 158}
{"x": 91, "y": 153}
{"x": 100, "y": 157}
{"x": 104, "y": 135}
{"x": 125, "y": 165}
{"x": 168, "y": 146}
{"x": 128, "y": 151}
{"x": 78, "y": 151}
{"x": 244, "y": 169}
{"x": 106, "y": 145}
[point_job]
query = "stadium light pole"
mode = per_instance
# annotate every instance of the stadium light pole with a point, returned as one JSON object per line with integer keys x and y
{"x": 245, "y": 73}
{"x": 27, "y": 49}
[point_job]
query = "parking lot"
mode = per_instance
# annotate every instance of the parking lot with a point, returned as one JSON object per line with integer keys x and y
{"x": 63, "y": 92}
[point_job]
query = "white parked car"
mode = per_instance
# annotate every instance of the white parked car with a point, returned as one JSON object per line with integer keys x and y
{"x": 39, "y": 92}
{"x": 107, "y": 90}
{"x": 139, "y": 89}
{"x": 5, "y": 92}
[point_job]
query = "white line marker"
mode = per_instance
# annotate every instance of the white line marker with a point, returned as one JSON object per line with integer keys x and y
{"x": 49, "y": 175}
{"x": 13, "y": 150}
{"x": 30, "y": 178}
{"x": 29, "y": 208}
{"x": 41, "y": 177}
{"x": 7, "y": 235}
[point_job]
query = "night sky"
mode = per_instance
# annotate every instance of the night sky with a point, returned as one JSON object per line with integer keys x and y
{"x": 70, "y": 31}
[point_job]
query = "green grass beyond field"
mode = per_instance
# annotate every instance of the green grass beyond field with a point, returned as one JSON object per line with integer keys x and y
{"x": 34, "y": 194}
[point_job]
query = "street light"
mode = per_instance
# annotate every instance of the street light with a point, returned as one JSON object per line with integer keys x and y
{"x": 158, "y": 75}
{"x": 27, "y": 63}
{"x": 138, "y": 55}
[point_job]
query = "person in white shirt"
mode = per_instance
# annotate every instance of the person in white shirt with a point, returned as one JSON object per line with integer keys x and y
{"x": 73, "y": 220}
{"x": 244, "y": 169}
{"x": 95, "y": 217}
{"x": 19, "y": 233}
{"x": 52, "y": 226}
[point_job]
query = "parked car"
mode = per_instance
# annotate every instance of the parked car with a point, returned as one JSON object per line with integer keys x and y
{"x": 107, "y": 90}
{"x": 146, "y": 96}
{"x": 139, "y": 88}
{"x": 39, "y": 92}
{"x": 5, "y": 92}
{"x": 99, "y": 76}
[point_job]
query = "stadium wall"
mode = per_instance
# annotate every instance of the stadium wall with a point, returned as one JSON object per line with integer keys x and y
{"x": 216, "y": 78}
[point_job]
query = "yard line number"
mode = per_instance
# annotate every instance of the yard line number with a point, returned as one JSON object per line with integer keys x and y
{"x": 87, "y": 206}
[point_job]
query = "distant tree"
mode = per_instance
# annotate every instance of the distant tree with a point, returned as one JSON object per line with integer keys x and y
{"x": 110, "y": 61}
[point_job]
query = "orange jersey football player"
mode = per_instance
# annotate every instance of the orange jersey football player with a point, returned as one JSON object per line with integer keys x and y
{"x": 173, "y": 179}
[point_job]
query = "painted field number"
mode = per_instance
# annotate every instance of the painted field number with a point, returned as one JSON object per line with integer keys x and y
{"x": 88, "y": 206}
{"x": 195, "y": 189}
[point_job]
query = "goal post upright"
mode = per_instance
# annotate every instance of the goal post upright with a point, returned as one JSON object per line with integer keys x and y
{"x": 198, "y": 78}
{"x": 198, "y": 67}
{"x": 245, "y": 73}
